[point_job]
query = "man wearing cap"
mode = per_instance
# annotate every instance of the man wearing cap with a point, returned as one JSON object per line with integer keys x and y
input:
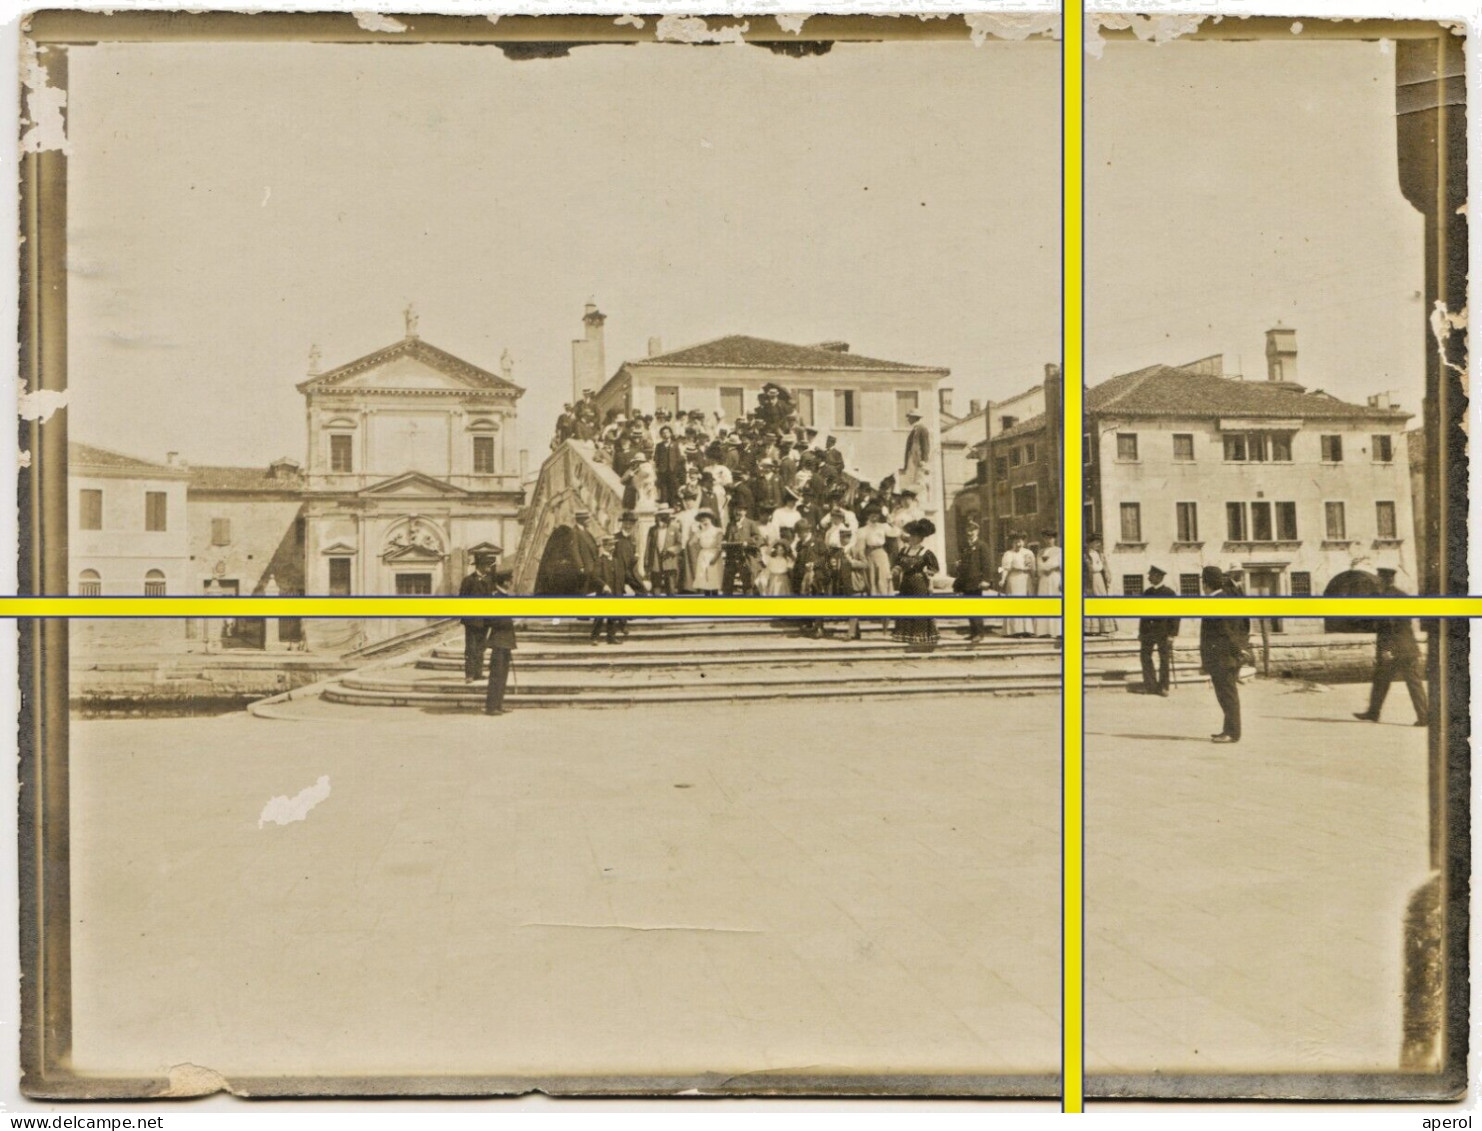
{"x": 1223, "y": 642}
{"x": 479, "y": 583}
{"x": 974, "y": 567}
{"x": 1396, "y": 653}
{"x": 612, "y": 581}
{"x": 584, "y": 548}
{"x": 1157, "y": 633}
{"x": 501, "y": 644}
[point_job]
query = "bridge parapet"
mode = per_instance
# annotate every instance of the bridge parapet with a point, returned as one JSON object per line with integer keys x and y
{"x": 570, "y": 479}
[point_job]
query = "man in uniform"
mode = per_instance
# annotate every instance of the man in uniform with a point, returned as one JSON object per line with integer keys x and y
{"x": 1396, "y": 653}
{"x": 1223, "y": 642}
{"x": 479, "y": 583}
{"x": 974, "y": 567}
{"x": 501, "y": 641}
{"x": 1157, "y": 633}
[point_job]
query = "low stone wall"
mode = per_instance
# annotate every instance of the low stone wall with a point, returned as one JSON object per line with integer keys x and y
{"x": 187, "y": 685}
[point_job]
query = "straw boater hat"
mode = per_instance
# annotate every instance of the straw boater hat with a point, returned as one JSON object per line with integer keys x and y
{"x": 664, "y": 512}
{"x": 913, "y": 413}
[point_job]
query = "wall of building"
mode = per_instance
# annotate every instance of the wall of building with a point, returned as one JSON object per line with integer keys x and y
{"x": 123, "y": 551}
{"x": 394, "y": 434}
{"x": 1157, "y": 482}
{"x": 875, "y": 448}
{"x": 266, "y": 540}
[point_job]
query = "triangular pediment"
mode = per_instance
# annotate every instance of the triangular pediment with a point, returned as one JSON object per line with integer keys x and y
{"x": 411, "y": 365}
{"x": 412, "y": 553}
{"x": 339, "y": 550}
{"x": 412, "y": 485}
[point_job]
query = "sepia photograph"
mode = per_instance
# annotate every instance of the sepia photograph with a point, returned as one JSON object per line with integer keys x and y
{"x": 492, "y": 318}
{"x": 1277, "y": 838}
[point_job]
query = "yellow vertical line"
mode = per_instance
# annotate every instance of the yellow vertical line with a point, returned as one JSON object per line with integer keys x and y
{"x": 1073, "y": 681}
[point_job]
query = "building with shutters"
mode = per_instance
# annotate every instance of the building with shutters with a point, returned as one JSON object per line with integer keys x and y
{"x": 413, "y": 465}
{"x": 1187, "y": 466}
{"x": 126, "y": 525}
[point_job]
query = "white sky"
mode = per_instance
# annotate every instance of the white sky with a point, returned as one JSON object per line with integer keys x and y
{"x": 1234, "y": 184}
{"x": 230, "y": 206}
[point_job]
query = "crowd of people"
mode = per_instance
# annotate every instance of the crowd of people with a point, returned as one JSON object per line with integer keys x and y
{"x": 761, "y": 505}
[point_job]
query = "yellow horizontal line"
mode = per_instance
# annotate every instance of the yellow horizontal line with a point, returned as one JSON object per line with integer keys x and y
{"x": 691, "y": 606}
{"x": 1283, "y": 606}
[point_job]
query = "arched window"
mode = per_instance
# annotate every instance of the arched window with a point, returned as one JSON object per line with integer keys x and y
{"x": 154, "y": 583}
{"x": 89, "y": 583}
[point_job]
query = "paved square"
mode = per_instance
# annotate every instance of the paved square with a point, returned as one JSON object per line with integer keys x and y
{"x": 1245, "y": 904}
{"x": 852, "y": 886}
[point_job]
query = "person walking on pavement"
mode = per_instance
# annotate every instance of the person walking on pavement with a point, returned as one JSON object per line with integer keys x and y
{"x": 1396, "y": 655}
{"x": 1223, "y": 643}
{"x": 1156, "y": 634}
{"x": 479, "y": 583}
{"x": 501, "y": 641}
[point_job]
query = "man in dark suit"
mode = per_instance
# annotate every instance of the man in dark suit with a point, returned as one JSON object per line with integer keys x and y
{"x": 742, "y": 537}
{"x": 479, "y": 583}
{"x": 668, "y": 467}
{"x": 584, "y": 547}
{"x": 616, "y": 562}
{"x": 501, "y": 641}
{"x": 974, "y": 567}
{"x": 1223, "y": 642}
{"x": 1396, "y": 653}
{"x": 1156, "y": 634}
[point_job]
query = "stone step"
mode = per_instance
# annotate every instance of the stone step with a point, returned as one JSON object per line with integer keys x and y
{"x": 584, "y": 655}
{"x": 473, "y": 697}
{"x": 629, "y": 680}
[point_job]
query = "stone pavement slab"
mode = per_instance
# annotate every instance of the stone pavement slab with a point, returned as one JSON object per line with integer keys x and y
{"x": 1245, "y": 903}
{"x": 851, "y": 887}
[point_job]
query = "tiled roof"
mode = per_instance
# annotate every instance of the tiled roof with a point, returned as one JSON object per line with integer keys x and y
{"x": 1168, "y": 390}
{"x": 245, "y": 480}
{"x": 87, "y": 455}
{"x": 738, "y": 351}
{"x": 1163, "y": 390}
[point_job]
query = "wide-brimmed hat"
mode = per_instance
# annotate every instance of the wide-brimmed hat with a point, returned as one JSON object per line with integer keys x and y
{"x": 705, "y": 512}
{"x": 910, "y": 412}
{"x": 1159, "y": 570}
{"x": 920, "y": 528}
{"x": 789, "y": 493}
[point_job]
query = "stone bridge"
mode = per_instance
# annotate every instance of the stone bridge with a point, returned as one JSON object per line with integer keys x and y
{"x": 571, "y": 479}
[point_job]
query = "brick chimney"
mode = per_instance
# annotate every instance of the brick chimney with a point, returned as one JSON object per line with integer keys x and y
{"x": 944, "y": 402}
{"x": 588, "y": 360}
{"x": 1281, "y": 354}
{"x": 974, "y": 407}
{"x": 655, "y": 347}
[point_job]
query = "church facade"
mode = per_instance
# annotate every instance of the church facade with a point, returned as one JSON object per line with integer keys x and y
{"x": 412, "y": 467}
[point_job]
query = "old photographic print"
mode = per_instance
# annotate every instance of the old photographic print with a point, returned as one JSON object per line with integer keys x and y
{"x": 590, "y": 307}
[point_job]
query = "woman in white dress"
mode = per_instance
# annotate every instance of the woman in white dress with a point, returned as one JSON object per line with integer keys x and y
{"x": 706, "y": 543}
{"x": 1095, "y": 568}
{"x": 1014, "y": 571}
{"x": 1050, "y": 571}
{"x": 777, "y": 563}
{"x": 872, "y": 538}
